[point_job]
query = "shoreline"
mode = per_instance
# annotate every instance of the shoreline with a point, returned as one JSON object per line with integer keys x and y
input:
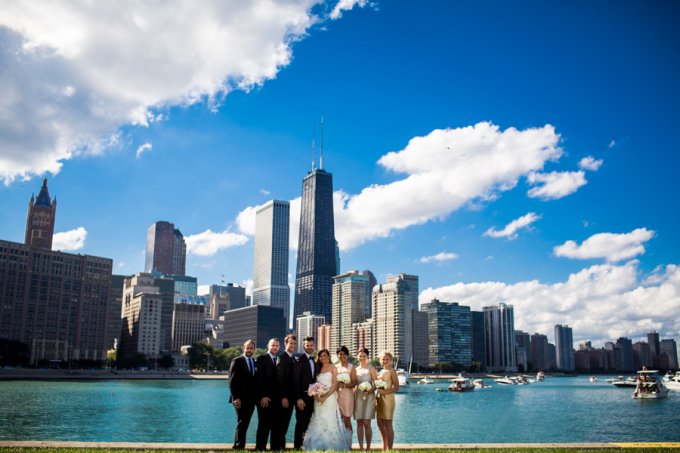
{"x": 453, "y": 446}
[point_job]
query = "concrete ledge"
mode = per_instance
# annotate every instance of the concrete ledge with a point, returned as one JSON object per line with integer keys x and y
{"x": 205, "y": 446}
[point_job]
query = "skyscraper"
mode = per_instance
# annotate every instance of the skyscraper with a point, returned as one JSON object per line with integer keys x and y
{"x": 393, "y": 306}
{"x": 166, "y": 250}
{"x": 270, "y": 277}
{"x": 316, "y": 259}
{"x": 499, "y": 329}
{"x": 40, "y": 219}
{"x": 564, "y": 347}
{"x": 450, "y": 333}
{"x": 351, "y": 295}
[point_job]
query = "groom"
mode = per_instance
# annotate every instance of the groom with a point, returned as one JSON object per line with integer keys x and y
{"x": 304, "y": 374}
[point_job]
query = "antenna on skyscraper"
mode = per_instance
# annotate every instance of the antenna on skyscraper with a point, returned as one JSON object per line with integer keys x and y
{"x": 321, "y": 148}
{"x": 313, "y": 148}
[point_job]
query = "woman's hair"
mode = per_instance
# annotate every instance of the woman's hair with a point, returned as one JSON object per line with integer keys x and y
{"x": 387, "y": 354}
{"x": 343, "y": 349}
{"x": 365, "y": 351}
{"x": 318, "y": 359}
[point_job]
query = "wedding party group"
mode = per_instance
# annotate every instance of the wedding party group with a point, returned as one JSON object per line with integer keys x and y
{"x": 324, "y": 396}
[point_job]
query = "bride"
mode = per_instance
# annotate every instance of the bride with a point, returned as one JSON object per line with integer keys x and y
{"x": 326, "y": 430}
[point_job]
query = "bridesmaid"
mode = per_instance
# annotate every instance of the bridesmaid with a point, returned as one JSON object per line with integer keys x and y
{"x": 386, "y": 403}
{"x": 364, "y": 402}
{"x": 345, "y": 392}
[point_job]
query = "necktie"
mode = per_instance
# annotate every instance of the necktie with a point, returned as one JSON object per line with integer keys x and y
{"x": 274, "y": 359}
{"x": 251, "y": 368}
{"x": 311, "y": 364}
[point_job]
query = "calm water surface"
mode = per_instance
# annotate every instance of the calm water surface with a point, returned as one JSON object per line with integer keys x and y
{"x": 556, "y": 410}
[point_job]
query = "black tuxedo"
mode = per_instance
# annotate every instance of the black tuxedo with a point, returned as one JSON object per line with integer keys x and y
{"x": 303, "y": 378}
{"x": 267, "y": 387}
{"x": 242, "y": 385}
{"x": 284, "y": 371}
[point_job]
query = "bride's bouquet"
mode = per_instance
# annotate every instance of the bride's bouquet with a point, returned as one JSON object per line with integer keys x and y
{"x": 316, "y": 390}
{"x": 380, "y": 384}
{"x": 343, "y": 376}
{"x": 365, "y": 387}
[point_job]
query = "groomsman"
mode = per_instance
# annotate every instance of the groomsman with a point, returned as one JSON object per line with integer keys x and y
{"x": 286, "y": 383}
{"x": 242, "y": 384}
{"x": 269, "y": 397}
{"x": 304, "y": 374}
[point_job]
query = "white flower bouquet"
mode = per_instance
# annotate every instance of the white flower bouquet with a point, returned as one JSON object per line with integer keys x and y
{"x": 380, "y": 384}
{"x": 344, "y": 378}
{"x": 365, "y": 387}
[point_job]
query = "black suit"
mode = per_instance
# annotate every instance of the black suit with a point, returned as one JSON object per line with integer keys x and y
{"x": 267, "y": 387}
{"x": 284, "y": 371}
{"x": 242, "y": 385}
{"x": 303, "y": 378}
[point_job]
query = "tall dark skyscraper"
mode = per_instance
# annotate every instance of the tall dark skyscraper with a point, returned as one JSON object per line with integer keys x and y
{"x": 166, "y": 251}
{"x": 316, "y": 260}
{"x": 40, "y": 221}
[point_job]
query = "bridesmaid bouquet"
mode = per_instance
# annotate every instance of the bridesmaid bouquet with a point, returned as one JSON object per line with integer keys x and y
{"x": 365, "y": 387}
{"x": 343, "y": 376}
{"x": 380, "y": 384}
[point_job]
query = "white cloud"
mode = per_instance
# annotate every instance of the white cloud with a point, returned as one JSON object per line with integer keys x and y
{"x": 346, "y": 5}
{"x": 511, "y": 229}
{"x": 556, "y": 184}
{"x": 612, "y": 144}
{"x": 69, "y": 240}
{"x": 208, "y": 242}
{"x": 600, "y": 303}
{"x": 610, "y": 246}
{"x": 446, "y": 170}
{"x": 143, "y": 148}
{"x": 590, "y": 163}
{"x": 264, "y": 192}
{"x": 438, "y": 258}
{"x": 74, "y": 72}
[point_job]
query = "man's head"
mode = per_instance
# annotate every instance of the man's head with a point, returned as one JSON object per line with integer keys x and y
{"x": 249, "y": 348}
{"x": 308, "y": 345}
{"x": 291, "y": 343}
{"x": 273, "y": 346}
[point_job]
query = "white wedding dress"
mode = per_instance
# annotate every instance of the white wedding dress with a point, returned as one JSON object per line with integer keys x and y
{"x": 326, "y": 429}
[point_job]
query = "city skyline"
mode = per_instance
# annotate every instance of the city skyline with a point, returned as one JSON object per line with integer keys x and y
{"x": 501, "y": 153}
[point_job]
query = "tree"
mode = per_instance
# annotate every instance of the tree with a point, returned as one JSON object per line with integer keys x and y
{"x": 201, "y": 355}
{"x": 166, "y": 361}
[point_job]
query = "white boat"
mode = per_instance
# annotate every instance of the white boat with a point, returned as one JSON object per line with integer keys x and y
{"x": 479, "y": 383}
{"x": 540, "y": 376}
{"x": 593, "y": 379}
{"x": 426, "y": 380}
{"x": 627, "y": 382}
{"x": 649, "y": 386}
{"x": 504, "y": 381}
{"x": 403, "y": 376}
{"x": 672, "y": 382}
{"x": 461, "y": 384}
{"x": 520, "y": 380}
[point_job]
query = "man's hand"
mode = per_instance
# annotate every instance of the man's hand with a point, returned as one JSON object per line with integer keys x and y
{"x": 264, "y": 402}
{"x": 284, "y": 403}
{"x": 237, "y": 404}
{"x": 301, "y": 404}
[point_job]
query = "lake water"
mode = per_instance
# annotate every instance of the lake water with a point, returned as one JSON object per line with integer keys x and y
{"x": 559, "y": 409}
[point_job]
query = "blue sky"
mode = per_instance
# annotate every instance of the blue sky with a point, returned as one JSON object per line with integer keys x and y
{"x": 519, "y": 152}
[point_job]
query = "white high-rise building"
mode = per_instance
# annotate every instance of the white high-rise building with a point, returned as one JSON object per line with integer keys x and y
{"x": 307, "y": 325}
{"x": 270, "y": 279}
{"x": 564, "y": 348}
{"x": 499, "y": 332}
{"x": 393, "y": 306}
{"x": 351, "y": 296}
